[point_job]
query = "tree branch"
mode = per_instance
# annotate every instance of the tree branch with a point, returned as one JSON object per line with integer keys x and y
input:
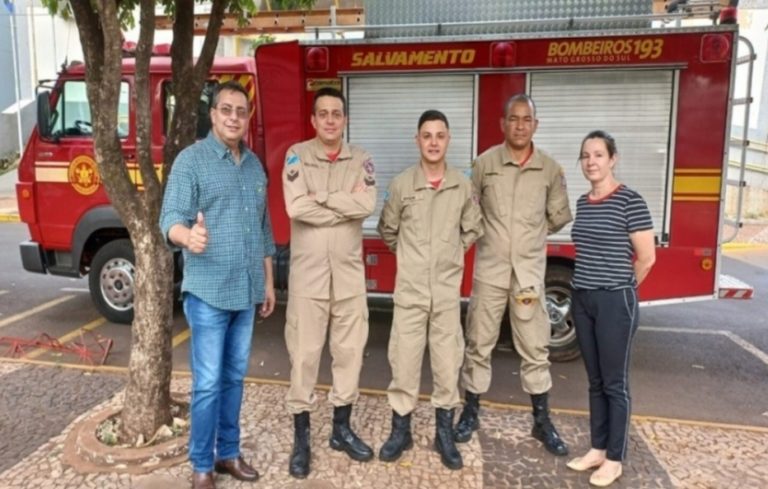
{"x": 215, "y": 21}
{"x": 152, "y": 187}
{"x": 91, "y": 35}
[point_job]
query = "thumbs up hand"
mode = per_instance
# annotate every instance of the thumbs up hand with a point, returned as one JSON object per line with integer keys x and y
{"x": 198, "y": 235}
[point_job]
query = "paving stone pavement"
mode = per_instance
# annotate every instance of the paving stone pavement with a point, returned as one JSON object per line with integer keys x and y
{"x": 662, "y": 453}
{"x": 46, "y": 400}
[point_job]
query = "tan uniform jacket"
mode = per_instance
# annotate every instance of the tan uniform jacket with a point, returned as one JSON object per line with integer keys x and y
{"x": 327, "y": 218}
{"x": 520, "y": 207}
{"x": 429, "y": 230}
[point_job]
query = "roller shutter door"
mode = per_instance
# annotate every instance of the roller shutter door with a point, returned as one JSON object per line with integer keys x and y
{"x": 384, "y": 111}
{"x": 635, "y": 107}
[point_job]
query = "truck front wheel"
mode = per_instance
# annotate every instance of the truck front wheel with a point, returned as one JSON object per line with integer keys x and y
{"x": 111, "y": 280}
{"x": 563, "y": 345}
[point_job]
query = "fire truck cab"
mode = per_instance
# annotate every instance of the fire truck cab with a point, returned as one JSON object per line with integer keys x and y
{"x": 74, "y": 230}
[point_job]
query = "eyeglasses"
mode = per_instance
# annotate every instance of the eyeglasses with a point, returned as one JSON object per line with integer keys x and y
{"x": 227, "y": 110}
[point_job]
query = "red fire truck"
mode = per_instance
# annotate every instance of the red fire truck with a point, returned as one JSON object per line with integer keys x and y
{"x": 665, "y": 94}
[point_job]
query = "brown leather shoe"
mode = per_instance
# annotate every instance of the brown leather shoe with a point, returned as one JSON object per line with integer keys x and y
{"x": 203, "y": 480}
{"x": 237, "y": 468}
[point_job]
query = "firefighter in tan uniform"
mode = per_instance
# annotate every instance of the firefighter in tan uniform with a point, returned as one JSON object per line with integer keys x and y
{"x": 523, "y": 198}
{"x": 329, "y": 188}
{"x": 430, "y": 218}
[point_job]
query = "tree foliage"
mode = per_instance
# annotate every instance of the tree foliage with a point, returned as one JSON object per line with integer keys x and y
{"x": 292, "y": 4}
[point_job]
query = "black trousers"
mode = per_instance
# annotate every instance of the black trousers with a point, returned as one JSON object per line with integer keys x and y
{"x": 606, "y": 322}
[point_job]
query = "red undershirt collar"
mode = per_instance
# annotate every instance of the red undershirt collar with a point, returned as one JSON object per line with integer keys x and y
{"x": 527, "y": 158}
{"x": 332, "y": 157}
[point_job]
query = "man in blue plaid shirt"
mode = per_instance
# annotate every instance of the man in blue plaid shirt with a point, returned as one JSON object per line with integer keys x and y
{"x": 215, "y": 209}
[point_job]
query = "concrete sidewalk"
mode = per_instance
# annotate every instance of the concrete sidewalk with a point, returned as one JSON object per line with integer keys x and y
{"x": 9, "y": 210}
{"x": 663, "y": 453}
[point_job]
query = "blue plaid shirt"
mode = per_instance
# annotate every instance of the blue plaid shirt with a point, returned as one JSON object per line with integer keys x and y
{"x": 229, "y": 274}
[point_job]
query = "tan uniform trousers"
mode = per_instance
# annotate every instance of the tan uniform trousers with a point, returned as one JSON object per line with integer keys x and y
{"x": 412, "y": 329}
{"x": 307, "y": 325}
{"x": 530, "y": 332}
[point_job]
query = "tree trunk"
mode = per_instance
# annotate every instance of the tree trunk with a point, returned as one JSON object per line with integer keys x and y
{"x": 147, "y": 397}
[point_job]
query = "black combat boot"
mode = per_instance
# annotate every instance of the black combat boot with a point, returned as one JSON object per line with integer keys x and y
{"x": 543, "y": 429}
{"x": 399, "y": 439}
{"x": 299, "y": 464}
{"x": 468, "y": 421}
{"x": 344, "y": 439}
{"x": 444, "y": 443}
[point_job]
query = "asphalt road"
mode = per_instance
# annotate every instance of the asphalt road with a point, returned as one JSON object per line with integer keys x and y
{"x": 703, "y": 361}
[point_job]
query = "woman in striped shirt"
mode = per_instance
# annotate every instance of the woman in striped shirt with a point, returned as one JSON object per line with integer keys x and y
{"x": 612, "y": 226}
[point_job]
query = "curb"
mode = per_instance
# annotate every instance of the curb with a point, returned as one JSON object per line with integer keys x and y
{"x": 85, "y": 453}
{"x": 744, "y": 246}
{"x": 645, "y": 418}
{"x": 8, "y": 217}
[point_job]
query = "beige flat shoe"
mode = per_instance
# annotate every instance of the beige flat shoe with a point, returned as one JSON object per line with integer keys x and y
{"x": 600, "y": 480}
{"x": 580, "y": 465}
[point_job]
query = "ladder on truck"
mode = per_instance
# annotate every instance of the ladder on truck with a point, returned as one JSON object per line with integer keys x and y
{"x": 730, "y": 287}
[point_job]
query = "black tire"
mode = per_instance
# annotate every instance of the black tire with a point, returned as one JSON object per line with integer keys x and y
{"x": 563, "y": 345}
{"x": 111, "y": 281}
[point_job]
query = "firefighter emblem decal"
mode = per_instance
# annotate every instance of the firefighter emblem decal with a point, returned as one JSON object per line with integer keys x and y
{"x": 83, "y": 175}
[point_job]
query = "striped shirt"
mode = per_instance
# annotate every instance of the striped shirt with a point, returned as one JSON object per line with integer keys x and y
{"x": 601, "y": 232}
{"x": 229, "y": 274}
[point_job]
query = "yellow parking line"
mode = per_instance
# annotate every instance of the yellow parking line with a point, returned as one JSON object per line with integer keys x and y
{"x": 180, "y": 338}
{"x": 67, "y": 337}
{"x": 73, "y": 366}
{"x": 744, "y": 246}
{"x": 34, "y": 310}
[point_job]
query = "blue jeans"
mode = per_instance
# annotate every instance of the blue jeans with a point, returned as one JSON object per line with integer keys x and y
{"x": 218, "y": 357}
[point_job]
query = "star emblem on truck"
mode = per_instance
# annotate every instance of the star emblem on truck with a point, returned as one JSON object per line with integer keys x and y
{"x": 83, "y": 175}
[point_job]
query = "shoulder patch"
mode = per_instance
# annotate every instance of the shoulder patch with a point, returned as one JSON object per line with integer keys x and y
{"x": 368, "y": 166}
{"x": 291, "y": 159}
{"x": 292, "y": 174}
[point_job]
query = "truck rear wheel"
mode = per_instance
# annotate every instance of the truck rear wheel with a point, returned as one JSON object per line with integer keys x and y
{"x": 111, "y": 280}
{"x": 563, "y": 345}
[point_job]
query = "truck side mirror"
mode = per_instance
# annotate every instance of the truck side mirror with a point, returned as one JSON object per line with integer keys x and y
{"x": 44, "y": 114}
